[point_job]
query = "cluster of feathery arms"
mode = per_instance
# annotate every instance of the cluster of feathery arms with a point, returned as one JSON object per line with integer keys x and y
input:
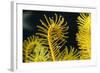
{"x": 53, "y": 39}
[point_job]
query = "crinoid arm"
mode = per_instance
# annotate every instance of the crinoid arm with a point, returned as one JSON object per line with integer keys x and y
{"x": 84, "y": 35}
{"x": 54, "y": 32}
{"x": 69, "y": 54}
{"x": 34, "y": 51}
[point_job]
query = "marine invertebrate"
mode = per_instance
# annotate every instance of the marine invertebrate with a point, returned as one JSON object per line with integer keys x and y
{"x": 34, "y": 51}
{"x": 84, "y": 35}
{"x": 53, "y": 31}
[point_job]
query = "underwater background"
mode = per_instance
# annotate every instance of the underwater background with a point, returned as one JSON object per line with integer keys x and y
{"x": 31, "y": 18}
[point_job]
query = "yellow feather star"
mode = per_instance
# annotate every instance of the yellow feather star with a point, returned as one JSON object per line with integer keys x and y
{"x": 53, "y": 30}
{"x": 84, "y": 35}
{"x": 34, "y": 51}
